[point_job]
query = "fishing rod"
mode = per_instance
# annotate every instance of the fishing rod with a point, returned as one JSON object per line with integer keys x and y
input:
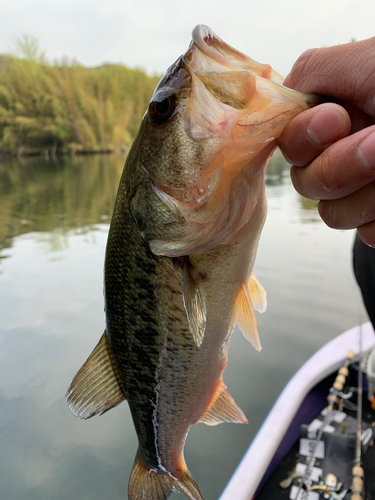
{"x": 335, "y": 390}
{"x": 357, "y": 471}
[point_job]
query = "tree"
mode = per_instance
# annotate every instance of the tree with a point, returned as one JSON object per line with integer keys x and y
{"x": 26, "y": 46}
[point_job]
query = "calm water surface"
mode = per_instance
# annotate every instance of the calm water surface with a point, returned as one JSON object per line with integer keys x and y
{"x": 54, "y": 219}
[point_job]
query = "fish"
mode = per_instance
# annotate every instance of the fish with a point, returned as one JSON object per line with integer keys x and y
{"x": 181, "y": 248}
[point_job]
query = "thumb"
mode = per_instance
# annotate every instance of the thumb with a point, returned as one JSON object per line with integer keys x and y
{"x": 345, "y": 72}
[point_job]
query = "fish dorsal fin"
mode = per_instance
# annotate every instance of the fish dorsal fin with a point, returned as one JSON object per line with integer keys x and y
{"x": 195, "y": 304}
{"x": 95, "y": 389}
{"x": 258, "y": 294}
{"x": 224, "y": 409}
{"x": 246, "y": 317}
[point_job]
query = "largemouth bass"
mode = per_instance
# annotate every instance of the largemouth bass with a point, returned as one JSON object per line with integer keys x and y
{"x": 180, "y": 254}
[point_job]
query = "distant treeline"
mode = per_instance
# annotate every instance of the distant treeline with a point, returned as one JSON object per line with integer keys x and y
{"x": 68, "y": 108}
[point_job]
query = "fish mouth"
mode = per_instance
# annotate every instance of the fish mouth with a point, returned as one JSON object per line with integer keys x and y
{"x": 226, "y": 56}
{"x": 234, "y": 78}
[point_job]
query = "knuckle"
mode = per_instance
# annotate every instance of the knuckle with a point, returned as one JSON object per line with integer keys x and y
{"x": 330, "y": 182}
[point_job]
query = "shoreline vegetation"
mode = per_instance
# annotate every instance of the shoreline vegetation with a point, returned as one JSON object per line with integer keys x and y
{"x": 66, "y": 108}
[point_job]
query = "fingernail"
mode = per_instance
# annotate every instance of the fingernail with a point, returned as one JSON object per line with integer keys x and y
{"x": 366, "y": 152}
{"x": 326, "y": 125}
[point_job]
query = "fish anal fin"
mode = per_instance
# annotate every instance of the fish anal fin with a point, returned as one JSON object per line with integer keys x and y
{"x": 194, "y": 298}
{"x": 224, "y": 409}
{"x": 257, "y": 293}
{"x": 246, "y": 317}
{"x": 95, "y": 389}
{"x": 146, "y": 483}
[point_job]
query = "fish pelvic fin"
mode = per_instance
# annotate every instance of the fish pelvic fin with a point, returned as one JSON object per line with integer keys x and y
{"x": 195, "y": 303}
{"x": 223, "y": 409}
{"x": 246, "y": 318}
{"x": 95, "y": 389}
{"x": 150, "y": 484}
{"x": 257, "y": 293}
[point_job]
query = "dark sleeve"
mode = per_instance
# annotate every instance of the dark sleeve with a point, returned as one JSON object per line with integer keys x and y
{"x": 364, "y": 270}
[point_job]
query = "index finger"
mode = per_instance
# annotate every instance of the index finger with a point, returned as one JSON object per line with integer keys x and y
{"x": 343, "y": 168}
{"x": 312, "y": 131}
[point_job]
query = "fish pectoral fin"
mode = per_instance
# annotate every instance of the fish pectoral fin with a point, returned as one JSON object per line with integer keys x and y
{"x": 157, "y": 485}
{"x": 257, "y": 293}
{"x": 246, "y": 317}
{"x": 194, "y": 298}
{"x": 95, "y": 389}
{"x": 224, "y": 409}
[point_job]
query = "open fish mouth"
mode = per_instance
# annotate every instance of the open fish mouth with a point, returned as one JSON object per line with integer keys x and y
{"x": 226, "y": 56}
{"x": 247, "y": 93}
{"x": 225, "y": 97}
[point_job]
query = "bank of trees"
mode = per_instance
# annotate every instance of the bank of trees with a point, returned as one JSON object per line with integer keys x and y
{"x": 69, "y": 108}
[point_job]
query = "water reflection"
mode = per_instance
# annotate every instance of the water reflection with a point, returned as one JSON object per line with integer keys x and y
{"x": 276, "y": 169}
{"x": 55, "y": 197}
{"x": 277, "y": 176}
{"x": 54, "y": 219}
{"x": 309, "y": 204}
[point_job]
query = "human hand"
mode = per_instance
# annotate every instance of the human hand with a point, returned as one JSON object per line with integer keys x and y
{"x": 335, "y": 142}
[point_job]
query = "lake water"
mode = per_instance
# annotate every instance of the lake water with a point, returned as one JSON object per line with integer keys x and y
{"x": 54, "y": 219}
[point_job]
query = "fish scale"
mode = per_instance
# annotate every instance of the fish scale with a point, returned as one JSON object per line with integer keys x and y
{"x": 180, "y": 255}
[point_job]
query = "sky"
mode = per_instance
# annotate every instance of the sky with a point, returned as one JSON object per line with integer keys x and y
{"x": 151, "y": 34}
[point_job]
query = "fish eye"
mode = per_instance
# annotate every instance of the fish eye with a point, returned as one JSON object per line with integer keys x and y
{"x": 162, "y": 106}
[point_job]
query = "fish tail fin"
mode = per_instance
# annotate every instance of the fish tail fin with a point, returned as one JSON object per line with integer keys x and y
{"x": 149, "y": 484}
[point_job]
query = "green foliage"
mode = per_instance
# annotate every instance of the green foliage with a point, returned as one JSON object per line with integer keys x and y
{"x": 26, "y": 46}
{"x": 68, "y": 107}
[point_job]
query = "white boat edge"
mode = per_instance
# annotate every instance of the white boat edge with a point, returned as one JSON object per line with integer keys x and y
{"x": 327, "y": 360}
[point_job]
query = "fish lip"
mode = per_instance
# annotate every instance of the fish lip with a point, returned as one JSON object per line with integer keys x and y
{"x": 203, "y": 37}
